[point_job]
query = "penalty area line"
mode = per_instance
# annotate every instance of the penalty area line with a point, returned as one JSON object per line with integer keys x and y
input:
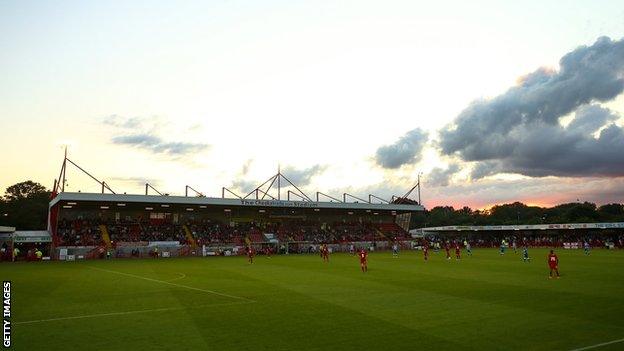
{"x": 174, "y": 284}
{"x": 599, "y": 345}
{"x": 129, "y": 312}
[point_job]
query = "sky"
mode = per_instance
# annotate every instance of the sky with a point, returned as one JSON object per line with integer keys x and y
{"x": 491, "y": 102}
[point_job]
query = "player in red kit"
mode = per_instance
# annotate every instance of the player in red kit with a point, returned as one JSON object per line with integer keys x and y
{"x": 250, "y": 254}
{"x": 457, "y": 252}
{"x": 325, "y": 253}
{"x": 553, "y": 264}
{"x": 426, "y": 252}
{"x": 448, "y": 253}
{"x": 363, "y": 260}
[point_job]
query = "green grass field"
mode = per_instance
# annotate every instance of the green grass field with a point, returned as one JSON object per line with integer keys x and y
{"x": 297, "y": 302}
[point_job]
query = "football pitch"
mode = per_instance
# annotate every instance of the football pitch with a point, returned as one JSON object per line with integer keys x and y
{"x": 296, "y": 302}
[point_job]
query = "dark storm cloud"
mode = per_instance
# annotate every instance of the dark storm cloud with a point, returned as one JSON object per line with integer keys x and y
{"x": 156, "y": 145}
{"x": 520, "y": 132}
{"x": 441, "y": 176}
{"x": 553, "y": 150}
{"x": 590, "y": 118}
{"x": 484, "y": 169}
{"x": 540, "y": 149}
{"x": 404, "y": 151}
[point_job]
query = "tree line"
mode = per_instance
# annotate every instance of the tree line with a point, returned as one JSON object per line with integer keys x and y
{"x": 25, "y": 207}
{"x": 519, "y": 213}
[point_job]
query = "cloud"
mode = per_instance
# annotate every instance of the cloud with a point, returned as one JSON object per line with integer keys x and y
{"x": 404, "y": 151}
{"x": 389, "y": 186}
{"x": 137, "y": 181}
{"x": 241, "y": 183}
{"x": 440, "y": 176}
{"x": 303, "y": 177}
{"x": 590, "y": 118}
{"x": 520, "y": 130}
{"x": 246, "y": 167}
{"x": 484, "y": 193}
{"x": 141, "y": 133}
{"x": 244, "y": 185}
{"x": 540, "y": 149}
{"x": 545, "y": 191}
{"x": 484, "y": 169}
{"x": 197, "y": 127}
{"x": 133, "y": 123}
{"x": 300, "y": 177}
{"x": 156, "y": 145}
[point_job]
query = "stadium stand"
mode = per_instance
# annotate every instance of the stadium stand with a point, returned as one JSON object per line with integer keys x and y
{"x": 136, "y": 224}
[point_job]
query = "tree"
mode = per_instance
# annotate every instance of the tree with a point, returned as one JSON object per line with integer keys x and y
{"x": 519, "y": 213}
{"x": 611, "y": 212}
{"x": 441, "y": 215}
{"x": 3, "y": 210}
{"x": 24, "y": 190}
{"x": 509, "y": 213}
{"x": 25, "y": 206}
{"x": 585, "y": 212}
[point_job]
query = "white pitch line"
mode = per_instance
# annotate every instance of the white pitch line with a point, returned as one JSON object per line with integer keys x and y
{"x": 182, "y": 276}
{"x": 174, "y": 284}
{"x": 128, "y": 312}
{"x": 599, "y": 345}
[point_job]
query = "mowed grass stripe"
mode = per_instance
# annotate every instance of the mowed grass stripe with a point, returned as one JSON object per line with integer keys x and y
{"x": 487, "y": 302}
{"x": 360, "y": 300}
{"x": 121, "y": 313}
{"x": 301, "y": 296}
{"x": 173, "y": 284}
{"x": 474, "y": 287}
{"x": 94, "y": 292}
{"x": 459, "y": 309}
{"x": 442, "y": 276}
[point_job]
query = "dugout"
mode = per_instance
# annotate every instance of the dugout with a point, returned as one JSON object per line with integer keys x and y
{"x": 26, "y": 241}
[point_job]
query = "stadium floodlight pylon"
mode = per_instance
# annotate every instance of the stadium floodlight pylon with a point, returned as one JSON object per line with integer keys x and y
{"x": 149, "y": 186}
{"x": 224, "y": 189}
{"x": 327, "y": 196}
{"x": 261, "y": 185}
{"x": 59, "y": 184}
{"x": 371, "y": 196}
{"x": 197, "y": 193}
{"x": 276, "y": 178}
{"x": 294, "y": 193}
{"x": 405, "y": 198}
{"x": 260, "y": 193}
{"x": 344, "y": 198}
